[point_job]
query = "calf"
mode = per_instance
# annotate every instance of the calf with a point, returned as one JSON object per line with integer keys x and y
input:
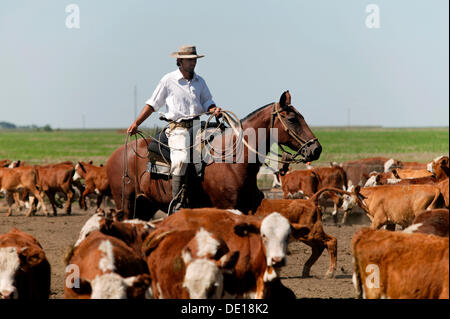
{"x": 334, "y": 177}
{"x": 299, "y": 183}
{"x": 131, "y": 231}
{"x": 306, "y": 213}
{"x": 393, "y": 204}
{"x": 95, "y": 179}
{"x": 24, "y": 268}
{"x": 439, "y": 167}
{"x": 21, "y": 178}
{"x": 261, "y": 243}
{"x": 400, "y": 266}
{"x": 433, "y": 221}
{"x": 187, "y": 263}
{"x": 55, "y": 178}
{"x": 104, "y": 267}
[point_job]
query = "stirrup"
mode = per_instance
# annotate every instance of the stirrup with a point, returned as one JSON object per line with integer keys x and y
{"x": 177, "y": 202}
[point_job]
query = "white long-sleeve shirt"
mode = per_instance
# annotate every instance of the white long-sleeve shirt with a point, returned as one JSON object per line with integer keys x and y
{"x": 184, "y": 99}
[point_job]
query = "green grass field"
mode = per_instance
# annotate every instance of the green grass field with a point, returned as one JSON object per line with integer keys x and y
{"x": 339, "y": 144}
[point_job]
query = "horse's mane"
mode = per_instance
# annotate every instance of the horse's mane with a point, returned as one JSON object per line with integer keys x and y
{"x": 254, "y": 112}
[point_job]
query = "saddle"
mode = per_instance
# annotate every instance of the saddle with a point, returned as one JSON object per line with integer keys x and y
{"x": 159, "y": 153}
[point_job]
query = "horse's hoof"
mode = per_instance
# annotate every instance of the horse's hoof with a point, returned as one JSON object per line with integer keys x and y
{"x": 329, "y": 274}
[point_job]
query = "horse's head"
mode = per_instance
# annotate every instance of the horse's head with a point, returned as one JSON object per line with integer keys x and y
{"x": 293, "y": 131}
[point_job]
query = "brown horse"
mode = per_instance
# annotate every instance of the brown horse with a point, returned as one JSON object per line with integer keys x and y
{"x": 224, "y": 185}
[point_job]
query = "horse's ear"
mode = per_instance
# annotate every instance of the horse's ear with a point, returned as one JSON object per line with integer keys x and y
{"x": 288, "y": 98}
{"x": 285, "y": 99}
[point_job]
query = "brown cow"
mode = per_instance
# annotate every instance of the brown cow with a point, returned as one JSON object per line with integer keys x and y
{"x": 391, "y": 178}
{"x": 24, "y": 268}
{"x": 132, "y": 231}
{"x": 306, "y": 212}
{"x": 95, "y": 179}
{"x": 413, "y": 165}
{"x": 396, "y": 265}
{"x": 187, "y": 263}
{"x": 104, "y": 267}
{"x": 412, "y": 173}
{"x": 261, "y": 243}
{"x": 21, "y": 178}
{"x": 433, "y": 221}
{"x": 357, "y": 170}
{"x": 299, "y": 183}
{"x": 334, "y": 177}
{"x": 53, "y": 178}
{"x": 393, "y": 204}
{"x": 439, "y": 167}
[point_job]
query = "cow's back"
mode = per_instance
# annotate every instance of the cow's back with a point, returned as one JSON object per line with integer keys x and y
{"x": 411, "y": 266}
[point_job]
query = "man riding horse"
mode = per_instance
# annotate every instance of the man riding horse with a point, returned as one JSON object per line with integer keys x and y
{"x": 186, "y": 96}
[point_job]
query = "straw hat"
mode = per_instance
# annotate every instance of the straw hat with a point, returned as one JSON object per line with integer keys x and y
{"x": 186, "y": 52}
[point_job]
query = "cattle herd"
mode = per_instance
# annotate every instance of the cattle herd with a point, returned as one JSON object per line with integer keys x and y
{"x": 219, "y": 253}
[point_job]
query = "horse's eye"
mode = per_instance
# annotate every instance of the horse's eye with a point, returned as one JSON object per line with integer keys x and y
{"x": 293, "y": 120}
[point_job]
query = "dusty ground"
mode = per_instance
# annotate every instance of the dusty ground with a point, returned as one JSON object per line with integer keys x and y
{"x": 57, "y": 234}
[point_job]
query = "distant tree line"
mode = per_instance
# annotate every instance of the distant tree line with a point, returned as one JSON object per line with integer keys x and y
{"x": 11, "y": 126}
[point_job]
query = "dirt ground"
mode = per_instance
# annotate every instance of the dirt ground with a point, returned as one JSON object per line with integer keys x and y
{"x": 57, "y": 234}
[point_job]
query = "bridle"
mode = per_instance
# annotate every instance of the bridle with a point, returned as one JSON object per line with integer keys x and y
{"x": 276, "y": 113}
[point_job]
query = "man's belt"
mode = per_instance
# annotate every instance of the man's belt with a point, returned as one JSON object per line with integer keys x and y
{"x": 183, "y": 123}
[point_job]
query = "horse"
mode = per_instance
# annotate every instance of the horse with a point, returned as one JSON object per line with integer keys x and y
{"x": 224, "y": 185}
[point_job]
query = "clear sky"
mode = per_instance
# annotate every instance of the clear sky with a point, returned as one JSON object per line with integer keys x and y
{"x": 338, "y": 70}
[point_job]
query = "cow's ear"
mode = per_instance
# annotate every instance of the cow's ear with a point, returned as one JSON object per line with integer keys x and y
{"x": 105, "y": 225}
{"x": 228, "y": 261}
{"x": 243, "y": 229}
{"x": 82, "y": 167}
{"x": 82, "y": 286}
{"x": 395, "y": 173}
{"x": 36, "y": 258}
{"x": 118, "y": 215}
{"x": 91, "y": 162}
{"x": 299, "y": 231}
{"x": 378, "y": 178}
{"x": 29, "y": 257}
{"x": 139, "y": 286}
